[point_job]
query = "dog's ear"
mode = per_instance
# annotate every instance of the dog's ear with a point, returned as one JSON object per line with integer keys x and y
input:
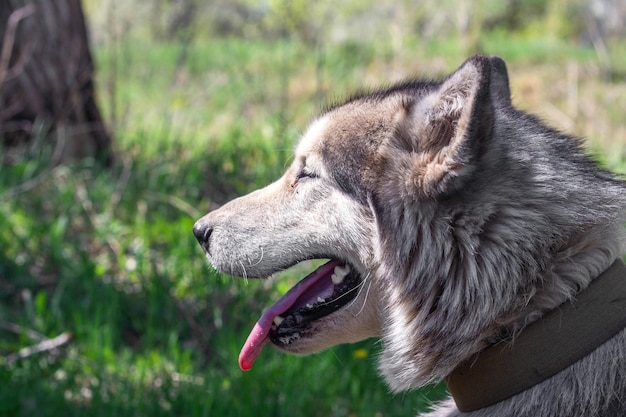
{"x": 441, "y": 134}
{"x": 499, "y": 81}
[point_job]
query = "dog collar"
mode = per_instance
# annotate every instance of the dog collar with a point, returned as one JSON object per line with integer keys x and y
{"x": 560, "y": 338}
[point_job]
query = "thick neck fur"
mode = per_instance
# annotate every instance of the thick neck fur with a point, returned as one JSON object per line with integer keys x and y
{"x": 488, "y": 260}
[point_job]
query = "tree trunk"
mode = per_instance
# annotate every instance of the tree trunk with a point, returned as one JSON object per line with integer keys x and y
{"x": 46, "y": 80}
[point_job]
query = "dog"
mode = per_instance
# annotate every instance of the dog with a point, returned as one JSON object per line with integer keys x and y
{"x": 454, "y": 226}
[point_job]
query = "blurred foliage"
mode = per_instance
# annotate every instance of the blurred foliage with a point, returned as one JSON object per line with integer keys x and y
{"x": 355, "y": 20}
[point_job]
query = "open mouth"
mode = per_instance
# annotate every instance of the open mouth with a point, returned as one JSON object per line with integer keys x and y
{"x": 324, "y": 291}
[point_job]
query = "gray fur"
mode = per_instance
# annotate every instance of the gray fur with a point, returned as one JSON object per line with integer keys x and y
{"x": 466, "y": 219}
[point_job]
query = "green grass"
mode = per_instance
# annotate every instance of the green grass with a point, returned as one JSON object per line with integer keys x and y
{"x": 155, "y": 331}
{"x": 108, "y": 254}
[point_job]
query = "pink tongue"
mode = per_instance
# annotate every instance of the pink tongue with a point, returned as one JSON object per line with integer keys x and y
{"x": 259, "y": 336}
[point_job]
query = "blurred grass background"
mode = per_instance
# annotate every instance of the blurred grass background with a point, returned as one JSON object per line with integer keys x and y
{"x": 206, "y": 100}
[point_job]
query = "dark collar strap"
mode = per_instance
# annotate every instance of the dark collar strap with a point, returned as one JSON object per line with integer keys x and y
{"x": 560, "y": 338}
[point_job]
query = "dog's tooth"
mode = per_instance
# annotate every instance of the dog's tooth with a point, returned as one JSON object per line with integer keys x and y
{"x": 309, "y": 305}
{"x": 320, "y": 300}
{"x": 337, "y": 279}
{"x": 342, "y": 270}
{"x": 278, "y": 320}
{"x": 339, "y": 273}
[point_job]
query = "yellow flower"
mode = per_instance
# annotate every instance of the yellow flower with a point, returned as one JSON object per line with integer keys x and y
{"x": 360, "y": 353}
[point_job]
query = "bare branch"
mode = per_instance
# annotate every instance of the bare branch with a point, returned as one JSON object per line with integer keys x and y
{"x": 9, "y": 37}
{"x": 43, "y": 346}
{"x": 16, "y": 328}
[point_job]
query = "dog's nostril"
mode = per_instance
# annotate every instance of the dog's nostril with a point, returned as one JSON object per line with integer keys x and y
{"x": 202, "y": 232}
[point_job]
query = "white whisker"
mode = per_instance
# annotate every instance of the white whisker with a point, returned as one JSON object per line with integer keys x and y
{"x": 244, "y": 274}
{"x": 260, "y": 259}
{"x": 358, "y": 288}
{"x": 369, "y": 286}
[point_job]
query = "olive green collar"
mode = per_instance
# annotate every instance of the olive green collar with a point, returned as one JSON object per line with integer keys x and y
{"x": 560, "y": 338}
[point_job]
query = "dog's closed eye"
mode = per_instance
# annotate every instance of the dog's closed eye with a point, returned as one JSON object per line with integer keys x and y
{"x": 305, "y": 172}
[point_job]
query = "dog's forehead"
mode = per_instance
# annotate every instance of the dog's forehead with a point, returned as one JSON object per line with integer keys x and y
{"x": 349, "y": 126}
{"x": 311, "y": 141}
{"x": 343, "y": 143}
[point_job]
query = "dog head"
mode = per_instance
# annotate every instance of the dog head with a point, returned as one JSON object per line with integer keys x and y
{"x": 426, "y": 211}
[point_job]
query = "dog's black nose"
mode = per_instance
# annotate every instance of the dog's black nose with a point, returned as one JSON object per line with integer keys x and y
{"x": 202, "y": 231}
